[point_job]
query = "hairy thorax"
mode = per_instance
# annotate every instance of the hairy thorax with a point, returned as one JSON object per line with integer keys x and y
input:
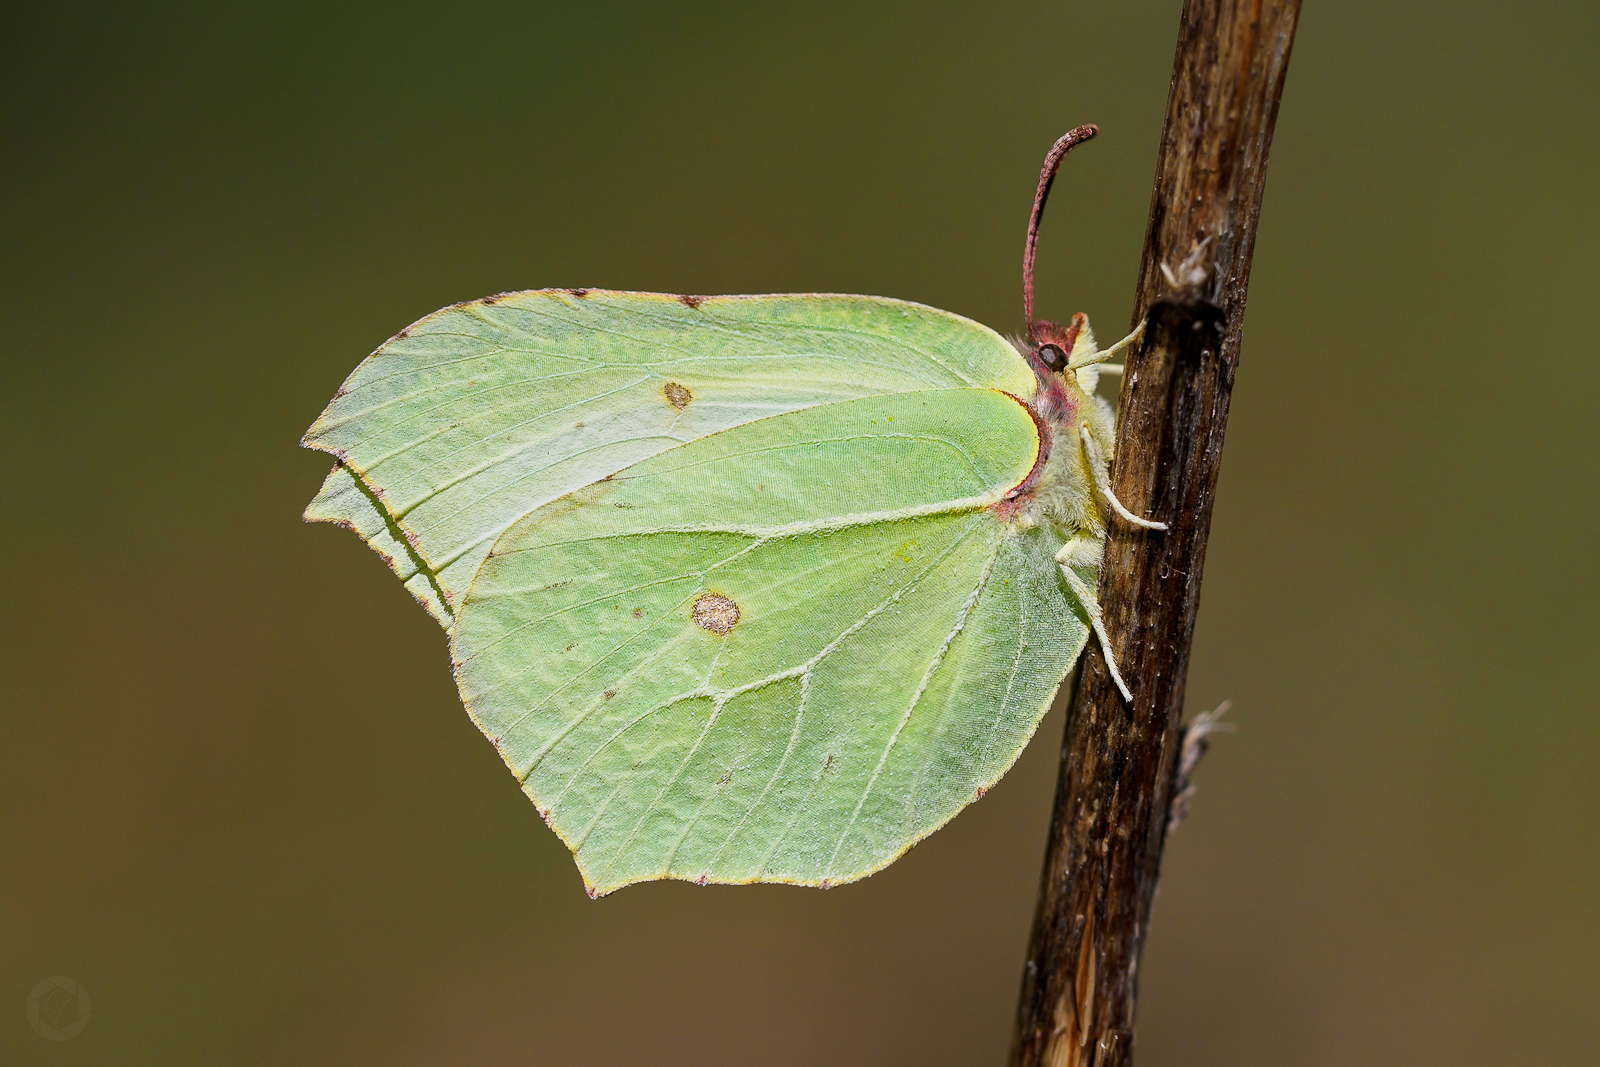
{"x": 1060, "y": 490}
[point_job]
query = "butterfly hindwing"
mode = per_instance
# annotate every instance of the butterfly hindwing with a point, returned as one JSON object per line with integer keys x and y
{"x": 782, "y": 652}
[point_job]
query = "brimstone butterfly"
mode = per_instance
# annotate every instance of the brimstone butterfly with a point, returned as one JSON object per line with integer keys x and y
{"x": 742, "y": 588}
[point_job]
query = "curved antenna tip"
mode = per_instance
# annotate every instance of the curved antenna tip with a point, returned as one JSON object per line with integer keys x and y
{"x": 1052, "y": 163}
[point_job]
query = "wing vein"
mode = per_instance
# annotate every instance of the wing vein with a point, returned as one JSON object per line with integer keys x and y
{"x": 922, "y": 687}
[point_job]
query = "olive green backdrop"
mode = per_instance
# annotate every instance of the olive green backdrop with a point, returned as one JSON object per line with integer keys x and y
{"x": 239, "y": 800}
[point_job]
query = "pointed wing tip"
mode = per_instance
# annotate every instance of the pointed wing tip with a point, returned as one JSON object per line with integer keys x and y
{"x": 312, "y": 438}
{"x": 315, "y": 512}
{"x": 309, "y": 515}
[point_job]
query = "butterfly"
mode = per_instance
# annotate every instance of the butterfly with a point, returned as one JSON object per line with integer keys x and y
{"x": 741, "y": 588}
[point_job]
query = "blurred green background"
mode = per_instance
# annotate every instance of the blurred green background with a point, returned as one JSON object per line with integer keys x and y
{"x": 239, "y": 799}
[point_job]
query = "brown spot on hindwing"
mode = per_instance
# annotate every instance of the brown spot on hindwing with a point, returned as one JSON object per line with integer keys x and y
{"x": 691, "y": 301}
{"x": 677, "y": 395}
{"x": 715, "y": 612}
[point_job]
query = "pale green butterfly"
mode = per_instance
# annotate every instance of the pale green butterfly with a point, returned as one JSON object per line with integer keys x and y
{"x": 742, "y": 588}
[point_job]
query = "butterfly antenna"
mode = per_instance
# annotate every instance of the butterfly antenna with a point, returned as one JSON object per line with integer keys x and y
{"x": 1052, "y": 163}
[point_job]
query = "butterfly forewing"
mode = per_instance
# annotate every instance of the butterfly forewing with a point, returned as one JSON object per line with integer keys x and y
{"x": 484, "y": 411}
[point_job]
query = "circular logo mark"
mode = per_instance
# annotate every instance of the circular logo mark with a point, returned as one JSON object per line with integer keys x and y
{"x": 58, "y": 1008}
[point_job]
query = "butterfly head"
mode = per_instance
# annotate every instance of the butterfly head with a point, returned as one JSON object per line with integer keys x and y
{"x": 1049, "y": 349}
{"x": 1050, "y": 345}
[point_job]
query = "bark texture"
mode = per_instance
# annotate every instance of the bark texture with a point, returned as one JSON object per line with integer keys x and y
{"x": 1118, "y": 760}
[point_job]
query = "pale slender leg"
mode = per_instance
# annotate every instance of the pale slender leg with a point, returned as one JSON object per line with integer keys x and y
{"x": 1102, "y": 483}
{"x": 1104, "y": 354}
{"x": 1091, "y": 607}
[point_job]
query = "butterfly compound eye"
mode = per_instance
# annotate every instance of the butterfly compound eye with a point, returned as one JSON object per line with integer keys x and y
{"x": 1052, "y": 356}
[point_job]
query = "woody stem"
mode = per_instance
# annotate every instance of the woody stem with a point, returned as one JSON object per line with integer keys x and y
{"x": 1112, "y": 800}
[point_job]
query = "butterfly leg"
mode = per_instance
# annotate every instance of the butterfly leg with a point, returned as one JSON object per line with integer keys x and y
{"x": 1076, "y": 552}
{"x": 1089, "y": 359}
{"x": 1103, "y": 483}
